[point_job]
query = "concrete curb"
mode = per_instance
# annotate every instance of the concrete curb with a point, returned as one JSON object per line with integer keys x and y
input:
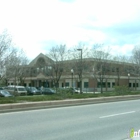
{"x": 61, "y": 103}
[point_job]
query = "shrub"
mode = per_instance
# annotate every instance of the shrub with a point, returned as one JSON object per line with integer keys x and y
{"x": 122, "y": 90}
{"x": 64, "y": 90}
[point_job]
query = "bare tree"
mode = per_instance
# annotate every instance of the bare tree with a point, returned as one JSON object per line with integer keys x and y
{"x": 15, "y": 66}
{"x": 134, "y": 64}
{"x": 121, "y": 67}
{"x": 5, "y": 51}
{"x": 135, "y": 60}
{"x": 101, "y": 64}
{"x": 58, "y": 55}
{"x": 78, "y": 56}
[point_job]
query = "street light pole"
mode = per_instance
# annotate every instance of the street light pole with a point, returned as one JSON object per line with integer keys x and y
{"x": 128, "y": 79}
{"x": 31, "y": 76}
{"x": 81, "y": 72}
{"x": 50, "y": 75}
{"x": 93, "y": 79}
{"x": 72, "y": 79}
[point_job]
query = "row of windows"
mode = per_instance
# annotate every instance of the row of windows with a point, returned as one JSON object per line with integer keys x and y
{"x": 113, "y": 84}
{"x": 115, "y": 69}
{"x": 86, "y": 84}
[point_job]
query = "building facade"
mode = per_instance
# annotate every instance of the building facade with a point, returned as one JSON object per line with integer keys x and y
{"x": 38, "y": 73}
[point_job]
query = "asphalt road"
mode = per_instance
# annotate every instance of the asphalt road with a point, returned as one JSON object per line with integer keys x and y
{"x": 106, "y": 121}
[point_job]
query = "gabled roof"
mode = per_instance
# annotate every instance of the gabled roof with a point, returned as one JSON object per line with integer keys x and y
{"x": 41, "y": 55}
{"x": 40, "y": 76}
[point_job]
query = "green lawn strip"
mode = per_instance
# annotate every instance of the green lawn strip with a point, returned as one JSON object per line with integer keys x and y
{"x": 60, "y": 96}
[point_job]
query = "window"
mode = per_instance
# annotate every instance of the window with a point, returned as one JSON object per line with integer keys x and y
{"x": 99, "y": 84}
{"x": 67, "y": 84}
{"x": 62, "y": 84}
{"x": 41, "y": 62}
{"x": 113, "y": 84}
{"x": 85, "y": 84}
{"x": 78, "y": 84}
{"x": 108, "y": 84}
{"x": 34, "y": 71}
{"x": 104, "y": 84}
{"x": 108, "y": 69}
{"x": 135, "y": 84}
{"x": 117, "y": 69}
{"x": 113, "y": 69}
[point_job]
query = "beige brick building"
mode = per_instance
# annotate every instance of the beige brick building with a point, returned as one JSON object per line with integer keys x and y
{"x": 37, "y": 74}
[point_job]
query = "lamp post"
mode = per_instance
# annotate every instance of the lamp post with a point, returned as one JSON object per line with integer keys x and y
{"x": 128, "y": 79}
{"x": 81, "y": 72}
{"x": 72, "y": 79}
{"x": 31, "y": 70}
{"x": 49, "y": 73}
{"x": 93, "y": 79}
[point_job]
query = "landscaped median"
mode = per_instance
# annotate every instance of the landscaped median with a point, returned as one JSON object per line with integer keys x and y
{"x": 26, "y": 105}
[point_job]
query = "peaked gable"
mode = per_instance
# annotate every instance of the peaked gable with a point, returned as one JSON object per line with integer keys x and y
{"x": 40, "y": 76}
{"x": 40, "y": 57}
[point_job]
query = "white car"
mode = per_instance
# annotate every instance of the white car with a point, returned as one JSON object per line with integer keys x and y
{"x": 76, "y": 90}
{"x": 16, "y": 90}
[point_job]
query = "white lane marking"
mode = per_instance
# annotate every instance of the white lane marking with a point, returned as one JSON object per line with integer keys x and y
{"x": 116, "y": 114}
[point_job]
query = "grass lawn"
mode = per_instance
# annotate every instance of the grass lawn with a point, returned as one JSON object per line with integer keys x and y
{"x": 60, "y": 96}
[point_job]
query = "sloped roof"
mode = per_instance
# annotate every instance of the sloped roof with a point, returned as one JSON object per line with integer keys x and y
{"x": 40, "y": 76}
{"x": 41, "y": 55}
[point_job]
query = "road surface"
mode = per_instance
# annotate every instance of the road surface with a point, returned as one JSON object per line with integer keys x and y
{"x": 105, "y": 121}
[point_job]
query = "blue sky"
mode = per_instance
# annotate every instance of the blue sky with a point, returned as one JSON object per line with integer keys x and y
{"x": 37, "y": 25}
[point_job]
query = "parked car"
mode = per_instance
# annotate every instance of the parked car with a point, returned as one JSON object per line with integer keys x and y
{"x": 48, "y": 91}
{"x": 4, "y": 93}
{"x": 76, "y": 90}
{"x": 16, "y": 90}
{"x": 68, "y": 90}
{"x": 32, "y": 91}
{"x": 39, "y": 89}
{"x": 1, "y": 88}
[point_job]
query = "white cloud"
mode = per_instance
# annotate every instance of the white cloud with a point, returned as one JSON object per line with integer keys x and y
{"x": 32, "y": 22}
{"x": 123, "y": 50}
